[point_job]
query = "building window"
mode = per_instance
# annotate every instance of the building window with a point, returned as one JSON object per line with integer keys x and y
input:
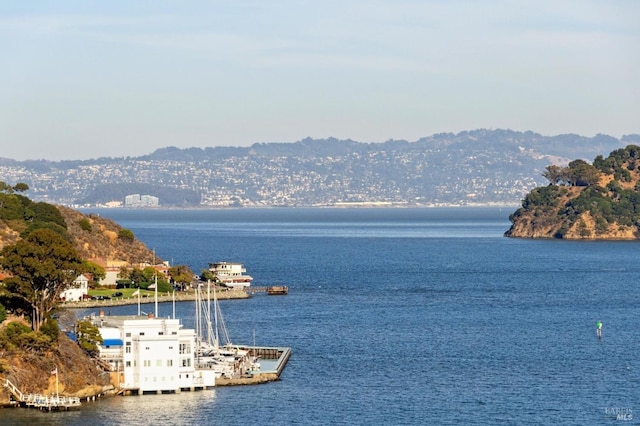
{"x": 128, "y": 334}
{"x": 128, "y": 364}
{"x": 169, "y": 363}
{"x": 142, "y": 334}
{"x": 158, "y": 363}
{"x": 147, "y": 363}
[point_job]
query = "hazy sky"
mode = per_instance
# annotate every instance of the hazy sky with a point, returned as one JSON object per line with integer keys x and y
{"x": 84, "y": 79}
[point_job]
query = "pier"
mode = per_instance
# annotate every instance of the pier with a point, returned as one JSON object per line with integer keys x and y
{"x": 42, "y": 402}
{"x": 270, "y": 290}
{"x": 281, "y": 355}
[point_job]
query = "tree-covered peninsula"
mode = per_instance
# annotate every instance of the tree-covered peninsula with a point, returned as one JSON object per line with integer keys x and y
{"x": 585, "y": 201}
{"x": 43, "y": 249}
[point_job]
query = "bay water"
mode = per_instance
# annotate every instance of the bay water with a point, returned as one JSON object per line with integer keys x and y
{"x": 400, "y": 317}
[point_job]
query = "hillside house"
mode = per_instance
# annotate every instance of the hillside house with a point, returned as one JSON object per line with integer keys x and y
{"x": 77, "y": 290}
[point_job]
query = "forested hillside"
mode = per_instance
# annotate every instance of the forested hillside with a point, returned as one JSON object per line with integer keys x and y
{"x": 585, "y": 201}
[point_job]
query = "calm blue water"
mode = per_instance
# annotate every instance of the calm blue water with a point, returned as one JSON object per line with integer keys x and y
{"x": 412, "y": 316}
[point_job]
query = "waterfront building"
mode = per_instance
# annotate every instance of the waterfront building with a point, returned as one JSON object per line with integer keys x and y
{"x": 137, "y": 200}
{"x": 230, "y": 274}
{"x": 149, "y": 354}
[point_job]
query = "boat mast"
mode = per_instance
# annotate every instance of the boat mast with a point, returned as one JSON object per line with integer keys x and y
{"x": 156, "y": 283}
{"x": 216, "y": 344}
{"x": 209, "y": 331}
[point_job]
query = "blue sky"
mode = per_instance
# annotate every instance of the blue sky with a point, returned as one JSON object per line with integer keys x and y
{"x": 85, "y": 79}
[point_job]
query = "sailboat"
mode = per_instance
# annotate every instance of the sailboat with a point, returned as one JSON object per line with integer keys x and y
{"x": 227, "y": 360}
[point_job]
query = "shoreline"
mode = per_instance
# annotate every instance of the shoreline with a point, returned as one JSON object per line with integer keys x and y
{"x": 186, "y": 296}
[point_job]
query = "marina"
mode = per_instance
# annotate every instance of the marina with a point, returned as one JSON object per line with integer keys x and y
{"x": 489, "y": 330}
{"x": 149, "y": 354}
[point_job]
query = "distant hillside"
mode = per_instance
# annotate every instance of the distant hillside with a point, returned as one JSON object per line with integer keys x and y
{"x": 468, "y": 168}
{"x": 585, "y": 201}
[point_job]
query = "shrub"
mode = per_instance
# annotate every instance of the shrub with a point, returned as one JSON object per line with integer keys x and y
{"x": 11, "y": 333}
{"x": 126, "y": 235}
{"x": 50, "y": 328}
{"x": 85, "y": 225}
{"x": 88, "y": 336}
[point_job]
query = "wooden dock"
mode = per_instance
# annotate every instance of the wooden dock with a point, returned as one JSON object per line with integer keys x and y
{"x": 42, "y": 402}
{"x": 270, "y": 290}
{"x": 277, "y": 290}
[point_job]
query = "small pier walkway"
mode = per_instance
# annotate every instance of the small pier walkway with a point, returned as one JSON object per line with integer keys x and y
{"x": 42, "y": 402}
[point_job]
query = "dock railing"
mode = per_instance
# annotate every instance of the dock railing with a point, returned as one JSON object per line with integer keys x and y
{"x": 42, "y": 402}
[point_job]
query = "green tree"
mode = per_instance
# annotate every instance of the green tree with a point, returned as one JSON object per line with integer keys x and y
{"x": 51, "y": 328}
{"x": 126, "y": 235}
{"x": 137, "y": 276}
{"x": 88, "y": 336}
{"x": 149, "y": 273}
{"x": 45, "y": 212}
{"x": 85, "y": 225}
{"x": 97, "y": 271}
{"x": 553, "y": 174}
{"x": 583, "y": 174}
{"x": 42, "y": 266}
{"x": 21, "y": 187}
{"x": 3, "y": 314}
{"x": 10, "y": 334}
{"x": 124, "y": 273}
{"x": 207, "y": 275}
{"x": 10, "y": 207}
{"x": 181, "y": 275}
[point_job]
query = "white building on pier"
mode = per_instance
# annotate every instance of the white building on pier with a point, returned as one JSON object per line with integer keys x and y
{"x": 151, "y": 354}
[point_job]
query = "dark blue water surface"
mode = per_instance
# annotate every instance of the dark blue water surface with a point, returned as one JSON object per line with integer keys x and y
{"x": 401, "y": 316}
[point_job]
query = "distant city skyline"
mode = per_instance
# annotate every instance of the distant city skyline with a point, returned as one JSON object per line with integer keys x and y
{"x": 86, "y": 80}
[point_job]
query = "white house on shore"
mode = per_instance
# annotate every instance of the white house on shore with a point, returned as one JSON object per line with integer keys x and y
{"x": 78, "y": 289}
{"x": 231, "y": 274}
{"x": 151, "y": 354}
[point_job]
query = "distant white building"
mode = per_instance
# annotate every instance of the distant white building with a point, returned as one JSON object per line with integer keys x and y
{"x": 151, "y": 354}
{"x": 76, "y": 291}
{"x": 137, "y": 200}
{"x": 231, "y": 274}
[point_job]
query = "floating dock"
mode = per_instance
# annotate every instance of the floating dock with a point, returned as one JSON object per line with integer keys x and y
{"x": 280, "y": 355}
{"x": 271, "y": 290}
{"x": 277, "y": 290}
{"x": 42, "y": 402}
